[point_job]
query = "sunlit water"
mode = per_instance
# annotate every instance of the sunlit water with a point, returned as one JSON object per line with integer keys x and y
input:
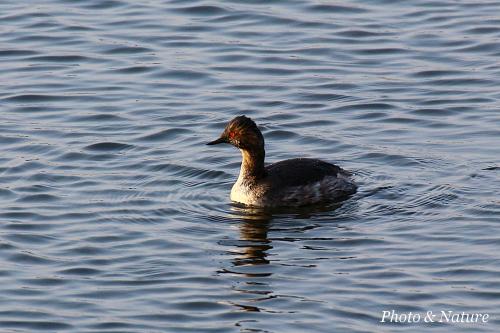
{"x": 115, "y": 217}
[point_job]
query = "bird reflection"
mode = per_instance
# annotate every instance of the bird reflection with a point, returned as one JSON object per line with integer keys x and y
{"x": 254, "y": 243}
{"x": 250, "y": 267}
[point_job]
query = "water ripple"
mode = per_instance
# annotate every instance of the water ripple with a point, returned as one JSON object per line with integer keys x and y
{"x": 115, "y": 215}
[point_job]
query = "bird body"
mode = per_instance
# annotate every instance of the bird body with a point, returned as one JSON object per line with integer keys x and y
{"x": 293, "y": 182}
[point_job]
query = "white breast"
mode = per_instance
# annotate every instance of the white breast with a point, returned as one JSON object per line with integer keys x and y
{"x": 241, "y": 194}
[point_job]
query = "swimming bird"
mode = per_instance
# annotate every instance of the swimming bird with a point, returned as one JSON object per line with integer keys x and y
{"x": 293, "y": 182}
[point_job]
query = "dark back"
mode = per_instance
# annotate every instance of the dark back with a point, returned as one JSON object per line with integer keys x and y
{"x": 300, "y": 171}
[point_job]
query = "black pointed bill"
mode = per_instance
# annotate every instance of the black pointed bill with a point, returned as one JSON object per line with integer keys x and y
{"x": 216, "y": 142}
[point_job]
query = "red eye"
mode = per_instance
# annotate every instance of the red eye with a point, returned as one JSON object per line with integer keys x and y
{"x": 231, "y": 135}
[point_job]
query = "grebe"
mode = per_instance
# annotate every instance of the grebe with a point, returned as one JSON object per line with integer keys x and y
{"x": 294, "y": 182}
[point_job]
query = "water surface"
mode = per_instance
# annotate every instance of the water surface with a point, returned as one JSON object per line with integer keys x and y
{"x": 115, "y": 217}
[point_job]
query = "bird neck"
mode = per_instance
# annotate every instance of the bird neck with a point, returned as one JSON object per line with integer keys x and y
{"x": 252, "y": 164}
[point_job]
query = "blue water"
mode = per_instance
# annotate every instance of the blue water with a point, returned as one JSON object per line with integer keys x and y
{"x": 115, "y": 217}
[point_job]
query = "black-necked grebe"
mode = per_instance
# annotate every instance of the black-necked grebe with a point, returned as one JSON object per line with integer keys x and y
{"x": 294, "y": 182}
